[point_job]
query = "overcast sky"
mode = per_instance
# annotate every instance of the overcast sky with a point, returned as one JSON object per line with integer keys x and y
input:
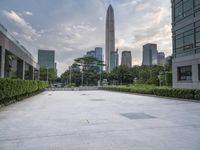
{"x": 72, "y": 27}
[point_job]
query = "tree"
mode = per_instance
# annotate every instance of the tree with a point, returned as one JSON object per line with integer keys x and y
{"x": 90, "y": 69}
{"x": 47, "y": 74}
{"x": 122, "y": 74}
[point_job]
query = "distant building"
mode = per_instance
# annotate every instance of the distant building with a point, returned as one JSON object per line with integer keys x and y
{"x": 161, "y": 58}
{"x": 126, "y": 59}
{"x": 99, "y": 56}
{"x": 99, "y": 53}
{"x": 186, "y": 43}
{"x": 111, "y": 54}
{"x": 91, "y": 53}
{"x": 46, "y": 59}
{"x": 114, "y": 59}
{"x": 150, "y": 54}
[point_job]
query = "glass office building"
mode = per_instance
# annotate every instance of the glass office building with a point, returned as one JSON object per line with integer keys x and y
{"x": 114, "y": 59}
{"x": 186, "y": 43}
{"x": 150, "y": 54}
{"x": 46, "y": 59}
{"x": 99, "y": 56}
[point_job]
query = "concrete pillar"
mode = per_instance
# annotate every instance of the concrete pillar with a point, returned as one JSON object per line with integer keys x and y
{"x": 175, "y": 75}
{"x": 31, "y": 73}
{"x": 36, "y": 74}
{"x": 195, "y": 75}
{"x": 2, "y": 62}
{"x": 20, "y": 69}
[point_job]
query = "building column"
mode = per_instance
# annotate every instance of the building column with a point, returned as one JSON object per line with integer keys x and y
{"x": 36, "y": 74}
{"x": 195, "y": 75}
{"x": 39, "y": 74}
{"x": 2, "y": 62}
{"x": 20, "y": 69}
{"x": 31, "y": 73}
{"x": 175, "y": 75}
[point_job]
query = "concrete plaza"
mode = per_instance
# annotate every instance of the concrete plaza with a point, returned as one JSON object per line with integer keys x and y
{"x": 99, "y": 120}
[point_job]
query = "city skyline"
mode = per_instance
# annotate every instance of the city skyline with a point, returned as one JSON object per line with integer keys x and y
{"x": 29, "y": 23}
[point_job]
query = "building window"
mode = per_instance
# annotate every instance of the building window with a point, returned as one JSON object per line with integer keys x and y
{"x": 184, "y": 41}
{"x": 185, "y": 73}
{"x": 196, "y": 2}
{"x": 183, "y": 9}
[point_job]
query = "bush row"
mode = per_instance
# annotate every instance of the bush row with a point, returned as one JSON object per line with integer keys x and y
{"x": 158, "y": 91}
{"x": 142, "y": 89}
{"x": 178, "y": 93}
{"x": 11, "y": 90}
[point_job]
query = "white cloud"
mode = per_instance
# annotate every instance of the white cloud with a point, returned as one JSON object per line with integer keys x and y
{"x": 143, "y": 22}
{"x": 28, "y": 13}
{"x": 29, "y": 33}
{"x": 71, "y": 33}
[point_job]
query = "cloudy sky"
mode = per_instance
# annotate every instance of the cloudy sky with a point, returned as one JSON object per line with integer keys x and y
{"x": 71, "y": 27}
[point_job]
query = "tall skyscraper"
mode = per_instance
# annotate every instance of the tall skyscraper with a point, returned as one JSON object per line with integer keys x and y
{"x": 46, "y": 59}
{"x": 150, "y": 54}
{"x": 126, "y": 59}
{"x": 186, "y": 43}
{"x": 110, "y": 40}
{"x": 161, "y": 58}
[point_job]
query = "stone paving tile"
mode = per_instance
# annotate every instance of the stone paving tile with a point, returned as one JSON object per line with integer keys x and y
{"x": 93, "y": 120}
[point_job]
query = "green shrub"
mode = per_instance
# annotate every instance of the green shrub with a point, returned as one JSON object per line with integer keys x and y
{"x": 138, "y": 88}
{"x": 197, "y": 94}
{"x": 158, "y": 91}
{"x": 12, "y": 89}
{"x": 175, "y": 92}
{"x": 142, "y": 89}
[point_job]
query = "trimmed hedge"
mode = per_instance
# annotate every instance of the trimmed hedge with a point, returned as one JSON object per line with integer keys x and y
{"x": 158, "y": 91}
{"x": 197, "y": 94}
{"x": 174, "y": 92}
{"x": 11, "y": 89}
{"x": 142, "y": 89}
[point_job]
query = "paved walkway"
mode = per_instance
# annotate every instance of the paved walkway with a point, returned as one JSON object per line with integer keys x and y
{"x": 99, "y": 120}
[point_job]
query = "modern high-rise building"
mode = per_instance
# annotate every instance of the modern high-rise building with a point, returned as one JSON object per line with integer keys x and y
{"x": 186, "y": 43}
{"x": 150, "y": 54}
{"x": 99, "y": 53}
{"x": 99, "y": 56}
{"x": 46, "y": 59}
{"x": 110, "y": 40}
{"x": 114, "y": 59}
{"x": 161, "y": 58}
{"x": 126, "y": 59}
